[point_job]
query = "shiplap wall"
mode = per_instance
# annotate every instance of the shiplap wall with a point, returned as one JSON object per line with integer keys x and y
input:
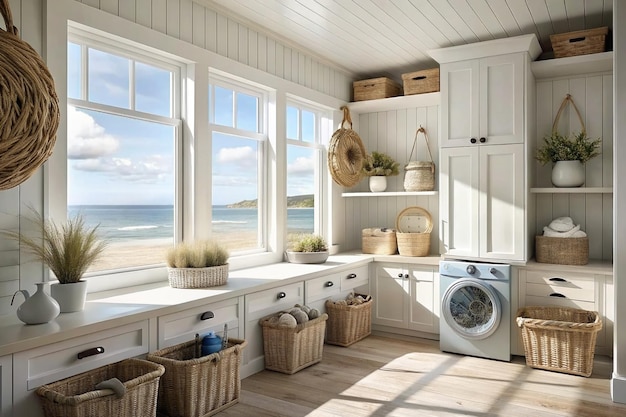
{"x": 393, "y": 133}
{"x": 593, "y": 95}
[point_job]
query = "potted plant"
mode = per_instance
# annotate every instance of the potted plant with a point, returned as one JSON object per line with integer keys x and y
{"x": 68, "y": 249}
{"x": 378, "y": 166}
{"x": 307, "y": 249}
{"x": 568, "y": 156}
{"x": 197, "y": 264}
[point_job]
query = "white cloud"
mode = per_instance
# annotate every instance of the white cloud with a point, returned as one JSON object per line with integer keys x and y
{"x": 86, "y": 138}
{"x": 150, "y": 169}
{"x": 301, "y": 167}
{"x": 243, "y": 157}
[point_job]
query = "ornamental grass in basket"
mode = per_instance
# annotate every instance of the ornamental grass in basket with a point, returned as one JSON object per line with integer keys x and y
{"x": 198, "y": 264}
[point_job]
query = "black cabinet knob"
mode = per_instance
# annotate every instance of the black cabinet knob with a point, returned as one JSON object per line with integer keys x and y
{"x": 473, "y": 140}
{"x": 329, "y": 284}
{"x": 351, "y": 276}
{"x": 483, "y": 140}
{"x": 281, "y": 294}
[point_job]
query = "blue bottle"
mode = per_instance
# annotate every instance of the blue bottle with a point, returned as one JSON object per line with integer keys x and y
{"x": 211, "y": 343}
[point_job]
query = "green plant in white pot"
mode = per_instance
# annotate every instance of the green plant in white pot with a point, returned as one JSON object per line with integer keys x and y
{"x": 198, "y": 264}
{"x": 307, "y": 249}
{"x": 68, "y": 249}
{"x": 378, "y": 166}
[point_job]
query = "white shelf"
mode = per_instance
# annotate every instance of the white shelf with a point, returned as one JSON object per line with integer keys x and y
{"x": 573, "y": 65}
{"x": 577, "y": 190}
{"x": 395, "y": 103}
{"x": 388, "y": 193}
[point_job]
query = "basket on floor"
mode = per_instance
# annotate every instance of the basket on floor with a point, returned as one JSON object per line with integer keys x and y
{"x": 347, "y": 324}
{"x": 77, "y": 396}
{"x": 559, "y": 339}
{"x": 195, "y": 385}
{"x": 290, "y": 349}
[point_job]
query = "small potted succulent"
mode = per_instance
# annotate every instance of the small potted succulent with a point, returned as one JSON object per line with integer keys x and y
{"x": 307, "y": 249}
{"x": 378, "y": 166}
{"x": 198, "y": 264}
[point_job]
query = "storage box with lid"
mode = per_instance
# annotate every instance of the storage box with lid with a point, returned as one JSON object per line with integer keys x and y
{"x": 419, "y": 82}
{"x": 379, "y": 241}
{"x": 413, "y": 226}
{"x": 375, "y": 88}
{"x": 580, "y": 42}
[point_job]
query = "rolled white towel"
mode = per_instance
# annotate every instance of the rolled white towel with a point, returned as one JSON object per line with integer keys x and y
{"x": 562, "y": 224}
{"x": 549, "y": 232}
{"x": 579, "y": 233}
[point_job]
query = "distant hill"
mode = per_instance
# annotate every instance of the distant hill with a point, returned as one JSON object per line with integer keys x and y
{"x": 296, "y": 201}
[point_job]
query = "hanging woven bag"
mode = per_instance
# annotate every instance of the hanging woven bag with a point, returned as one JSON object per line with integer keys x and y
{"x": 29, "y": 107}
{"x": 420, "y": 175}
{"x": 346, "y": 153}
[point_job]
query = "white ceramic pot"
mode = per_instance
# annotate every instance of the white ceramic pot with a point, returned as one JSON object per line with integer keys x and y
{"x": 307, "y": 257}
{"x": 37, "y": 309}
{"x": 71, "y": 297}
{"x": 568, "y": 174}
{"x": 378, "y": 183}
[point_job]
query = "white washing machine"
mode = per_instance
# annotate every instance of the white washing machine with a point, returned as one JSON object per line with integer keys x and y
{"x": 475, "y": 309}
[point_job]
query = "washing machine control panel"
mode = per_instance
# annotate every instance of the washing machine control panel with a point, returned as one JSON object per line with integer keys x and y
{"x": 478, "y": 270}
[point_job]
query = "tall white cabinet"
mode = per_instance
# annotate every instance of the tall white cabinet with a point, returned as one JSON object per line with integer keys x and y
{"x": 486, "y": 93}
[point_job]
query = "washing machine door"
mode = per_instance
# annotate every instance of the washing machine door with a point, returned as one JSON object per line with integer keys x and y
{"x": 472, "y": 308}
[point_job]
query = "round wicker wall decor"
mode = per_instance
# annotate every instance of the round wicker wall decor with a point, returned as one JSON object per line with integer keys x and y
{"x": 346, "y": 153}
{"x": 29, "y": 107}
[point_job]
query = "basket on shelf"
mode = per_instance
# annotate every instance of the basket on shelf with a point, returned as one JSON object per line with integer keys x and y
{"x": 77, "y": 396}
{"x": 562, "y": 250}
{"x": 413, "y": 226}
{"x": 379, "y": 241}
{"x": 375, "y": 88}
{"x": 195, "y": 385}
{"x": 559, "y": 339}
{"x": 347, "y": 324}
{"x": 580, "y": 42}
{"x": 419, "y": 82}
{"x": 420, "y": 175}
{"x": 197, "y": 277}
{"x": 290, "y": 349}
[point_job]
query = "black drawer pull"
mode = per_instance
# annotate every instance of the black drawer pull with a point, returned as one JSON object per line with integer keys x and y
{"x": 281, "y": 294}
{"x": 400, "y": 275}
{"x": 207, "y": 315}
{"x": 556, "y": 294}
{"x": 90, "y": 352}
{"x": 473, "y": 140}
{"x": 329, "y": 284}
{"x": 558, "y": 279}
{"x": 483, "y": 140}
{"x": 351, "y": 276}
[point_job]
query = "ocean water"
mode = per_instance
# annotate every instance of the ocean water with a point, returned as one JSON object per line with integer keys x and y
{"x": 127, "y": 223}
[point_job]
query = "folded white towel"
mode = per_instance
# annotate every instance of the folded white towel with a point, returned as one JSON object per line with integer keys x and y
{"x": 562, "y": 224}
{"x": 579, "y": 233}
{"x": 548, "y": 231}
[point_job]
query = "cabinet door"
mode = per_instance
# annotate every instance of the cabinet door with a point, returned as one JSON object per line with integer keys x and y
{"x": 6, "y": 385}
{"x": 459, "y": 201}
{"x": 459, "y": 103}
{"x": 422, "y": 315}
{"x": 502, "y": 99}
{"x": 390, "y": 290}
{"x": 501, "y": 207}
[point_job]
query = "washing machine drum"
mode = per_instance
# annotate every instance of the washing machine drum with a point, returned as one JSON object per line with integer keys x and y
{"x": 472, "y": 308}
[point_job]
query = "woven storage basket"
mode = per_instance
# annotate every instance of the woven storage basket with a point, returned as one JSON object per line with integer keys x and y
{"x": 562, "y": 250}
{"x": 379, "y": 241}
{"x": 197, "y": 277}
{"x": 559, "y": 338}
{"x": 347, "y": 324}
{"x": 413, "y": 226}
{"x": 289, "y": 350}
{"x": 418, "y": 82}
{"x": 195, "y": 385}
{"x": 375, "y": 88}
{"x": 420, "y": 175}
{"x": 29, "y": 109}
{"x": 346, "y": 153}
{"x": 77, "y": 396}
{"x": 581, "y": 42}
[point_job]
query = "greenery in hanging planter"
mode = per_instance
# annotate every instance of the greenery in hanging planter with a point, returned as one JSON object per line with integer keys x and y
{"x": 380, "y": 164}
{"x": 308, "y": 243}
{"x": 561, "y": 148}
{"x": 197, "y": 254}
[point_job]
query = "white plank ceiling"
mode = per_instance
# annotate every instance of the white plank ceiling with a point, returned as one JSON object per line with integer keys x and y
{"x": 371, "y": 38}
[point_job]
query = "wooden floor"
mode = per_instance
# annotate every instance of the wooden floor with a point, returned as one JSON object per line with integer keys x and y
{"x": 380, "y": 376}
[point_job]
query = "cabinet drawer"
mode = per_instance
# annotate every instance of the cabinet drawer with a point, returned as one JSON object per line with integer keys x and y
{"x": 561, "y": 302}
{"x": 182, "y": 326}
{"x": 262, "y": 303}
{"x": 353, "y": 278}
{"x": 321, "y": 288}
{"x": 545, "y": 284}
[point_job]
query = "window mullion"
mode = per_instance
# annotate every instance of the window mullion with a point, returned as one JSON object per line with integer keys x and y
{"x": 84, "y": 76}
{"x": 131, "y": 83}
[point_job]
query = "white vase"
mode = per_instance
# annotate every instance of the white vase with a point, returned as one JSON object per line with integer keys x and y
{"x": 71, "y": 297}
{"x": 568, "y": 174}
{"x": 37, "y": 309}
{"x": 378, "y": 183}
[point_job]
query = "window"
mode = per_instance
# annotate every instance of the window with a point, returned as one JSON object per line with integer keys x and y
{"x": 237, "y": 124}
{"x": 123, "y": 134}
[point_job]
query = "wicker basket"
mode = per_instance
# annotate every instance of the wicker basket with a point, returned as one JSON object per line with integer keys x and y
{"x": 420, "y": 175}
{"x": 559, "y": 338}
{"x": 379, "y": 241}
{"x": 347, "y": 324}
{"x": 346, "y": 153}
{"x": 289, "y": 350}
{"x": 195, "y": 385}
{"x": 562, "y": 250}
{"x": 197, "y": 277}
{"x": 419, "y": 82}
{"x": 413, "y": 226}
{"x": 375, "y": 88}
{"x": 581, "y": 42}
{"x": 77, "y": 396}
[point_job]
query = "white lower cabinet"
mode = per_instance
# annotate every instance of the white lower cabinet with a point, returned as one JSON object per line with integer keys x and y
{"x": 336, "y": 286}
{"x": 405, "y": 297}
{"x": 182, "y": 326}
{"x": 56, "y": 361}
{"x": 260, "y": 304}
{"x": 6, "y": 385}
